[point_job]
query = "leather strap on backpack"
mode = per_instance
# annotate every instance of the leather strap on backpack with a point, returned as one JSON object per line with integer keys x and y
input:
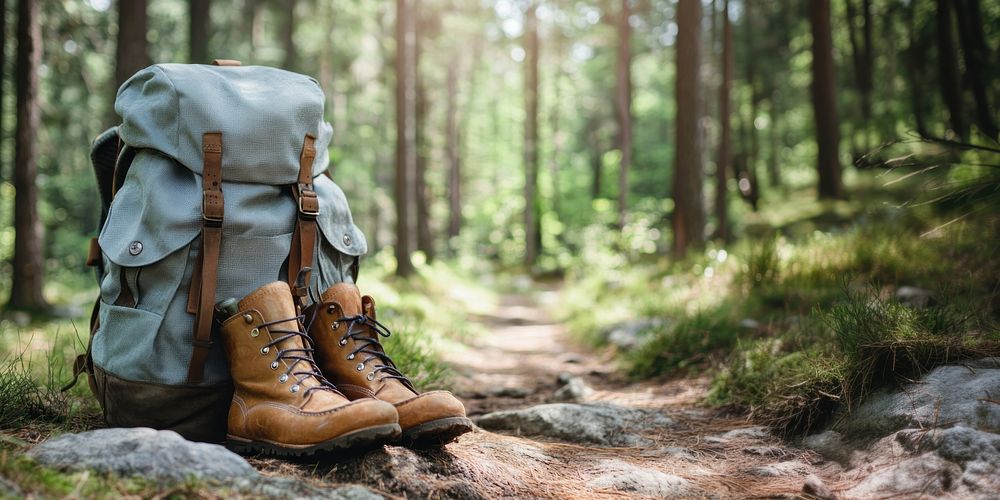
{"x": 212, "y": 211}
{"x": 300, "y": 258}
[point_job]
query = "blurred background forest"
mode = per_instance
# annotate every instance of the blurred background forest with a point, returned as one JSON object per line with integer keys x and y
{"x": 738, "y": 174}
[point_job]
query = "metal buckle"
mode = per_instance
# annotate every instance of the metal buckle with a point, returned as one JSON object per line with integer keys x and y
{"x": 308, "y": 193}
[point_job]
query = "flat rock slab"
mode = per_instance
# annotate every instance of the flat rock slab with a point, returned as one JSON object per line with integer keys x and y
{"x": 949, "y": 395}
{"x": 600, "y": 424}
{"x": 619, "y": 476}
{"x": 158, "y": 456}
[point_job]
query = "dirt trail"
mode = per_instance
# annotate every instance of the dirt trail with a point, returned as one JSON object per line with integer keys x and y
{"x": 517, "y": 365}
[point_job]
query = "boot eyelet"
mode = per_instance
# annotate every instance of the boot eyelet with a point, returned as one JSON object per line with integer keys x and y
{"x": 248, "y": 318}
{"x": 371, "y": 376}
{"x": 350, "y": 357}
{"x": 335, "y": 325}
{"x": 255, "y": 332}
{"x": 265, "y": 350}
{"x": 294, "y": 388}
{"x": 331, "y": 309}
{"x": 361, "y": 366}
{"x": 274, "y": 365}
{"x": 283, "y": 378}
{"x": 343, "y": 342}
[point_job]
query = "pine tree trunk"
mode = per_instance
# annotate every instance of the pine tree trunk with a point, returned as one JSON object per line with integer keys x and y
{"x": 198, "y": 33}
{"x": 951, "y": 86}
{"x": 531, "y": 222}
{"x": 861, "y": 56}
{"x": 596, "y": 160}
{"x": 977, "y": 66}
{"x": 405, "y": 152}
{"x": 291, "y": 59}
{"x": 425, "y": 241}
{"x": 623, "y": 105}
{"x": 725, "y": 129}
{"x": 3, "y": 80}
{"x": 915, "y": 53}
{"x": 131, "y": 53}
{"x": 451, "y": 149}
{"x": 29, "y": 251}
{"x": 824, "y": 99}
{"x": 688, "y": 218}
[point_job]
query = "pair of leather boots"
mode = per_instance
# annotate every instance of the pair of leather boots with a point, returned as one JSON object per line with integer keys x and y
{"x": 327, "y": 386}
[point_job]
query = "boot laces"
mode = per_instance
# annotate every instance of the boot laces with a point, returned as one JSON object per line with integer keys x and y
{"x": 370, "y": 345}
{"x": 295, "y": 355}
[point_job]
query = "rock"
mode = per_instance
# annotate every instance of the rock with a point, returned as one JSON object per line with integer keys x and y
{"x": 600, "y": 424}
{"x": 158, "y": 456}
{"x": 755, "y": 432}
{"x": 274, "y": 487}
{"x": 574, "y": 390}
{"x": 912, "y": 296}
{"x": 9, "y": 489}
{"x": 780, "y": 469}
{"x": 407, "y": 473}
{"x": 927, "y": 475}
{"x": 632, "y": 334}
{"x": 830, "y": 444}
{"x": 962, "y": 444}
{"x": 621, "y": 476}
{"x": 749, "y": 324}
{"x": 948, "y": 395}
{"x": 510, "y": 392}
{"x": 815, "y": 487}
{"x": 670, "y": 452}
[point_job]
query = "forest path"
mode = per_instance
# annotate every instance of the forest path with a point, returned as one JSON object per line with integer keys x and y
{"x": 676, "y": 447}
{"x": 525, "y": 358}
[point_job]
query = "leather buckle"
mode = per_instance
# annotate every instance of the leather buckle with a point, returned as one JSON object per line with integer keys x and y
{"x": 308, "y": 204}
{"x": 208, "y": 215}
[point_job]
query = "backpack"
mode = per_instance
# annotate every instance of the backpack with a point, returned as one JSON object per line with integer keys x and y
{"x": 211, "y": 187}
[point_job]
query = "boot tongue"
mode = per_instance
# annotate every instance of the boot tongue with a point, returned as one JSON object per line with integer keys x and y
{"x": 274, "y": 301}
{"x": 346, "y": 295}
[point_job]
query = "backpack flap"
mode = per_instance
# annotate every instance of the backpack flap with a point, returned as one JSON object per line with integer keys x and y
{"x": 263, "y": 114}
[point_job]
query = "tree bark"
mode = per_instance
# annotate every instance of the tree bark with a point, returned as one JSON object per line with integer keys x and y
{"x": 452, "y": 151}
{"x": 29, "y": 251}
{"x": 198, "y": 33}
{"x": 725, "y": 129}
{"x": 405, "y": 152}
{"x": 596, "y": 159}
{"x": 915, "y": 54}
{"x": 688, "y": 218}
{"x": 824, "y": 99}
{"x": 977, "y": 66}
{"x": 131, "y": 53}
{"x": 623, "y": 105}
{"x": 531, "y": 215}
{"x": 862, "y": 57}
{"x": 951, "y": 86}
{"x": 291, "y": 59}
{"x": 3, "y": 78}
{"x": 425, "y": 241}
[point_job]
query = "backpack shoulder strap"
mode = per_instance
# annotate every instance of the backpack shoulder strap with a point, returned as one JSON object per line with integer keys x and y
{"x": 300, "y": 257}
{"x": 207, "y": 268}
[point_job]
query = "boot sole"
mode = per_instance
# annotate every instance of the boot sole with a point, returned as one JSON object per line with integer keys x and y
{"x": 436, "y": 432}
{"x": 362, "y": 439}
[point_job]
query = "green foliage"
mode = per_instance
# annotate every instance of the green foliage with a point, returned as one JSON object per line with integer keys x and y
{"x": 827, "y": 328}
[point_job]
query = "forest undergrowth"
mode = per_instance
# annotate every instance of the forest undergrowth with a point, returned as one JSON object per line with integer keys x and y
{"x": 815, "y": 308}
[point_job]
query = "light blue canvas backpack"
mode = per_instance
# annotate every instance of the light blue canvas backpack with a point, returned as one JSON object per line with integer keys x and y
{"x": 212, "y": 186}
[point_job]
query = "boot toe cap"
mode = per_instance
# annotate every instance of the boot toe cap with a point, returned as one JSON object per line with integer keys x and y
{"x": 428, "y": 406}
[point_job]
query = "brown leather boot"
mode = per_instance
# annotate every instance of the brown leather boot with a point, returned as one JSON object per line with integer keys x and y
{"x": 346, "y": 335}
{"x": 282, "y": 405}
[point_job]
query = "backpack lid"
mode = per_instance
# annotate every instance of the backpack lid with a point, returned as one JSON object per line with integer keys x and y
{"x": 263, "y": 113}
